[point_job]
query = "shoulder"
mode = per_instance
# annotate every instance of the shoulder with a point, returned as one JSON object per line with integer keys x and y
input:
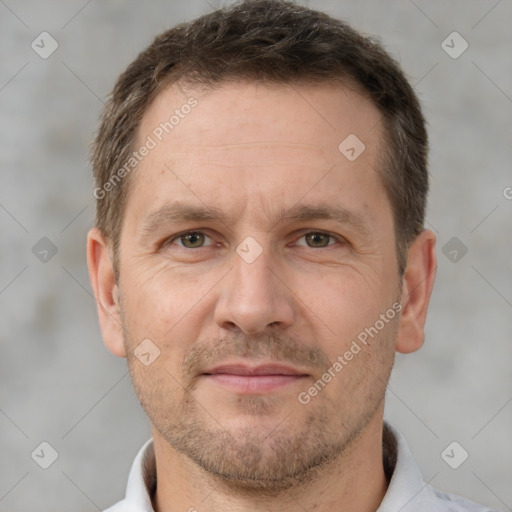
{"x": 447, "y": 502}
{"x": 407, "y": 490}
{"x": 122, "y": 506}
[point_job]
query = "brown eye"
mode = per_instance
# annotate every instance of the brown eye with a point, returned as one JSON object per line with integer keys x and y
{"x": 318, "y": 239}
{"x": 192, "y": 240}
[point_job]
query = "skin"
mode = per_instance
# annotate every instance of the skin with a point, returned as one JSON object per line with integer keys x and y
{"x": 254, "y": 152}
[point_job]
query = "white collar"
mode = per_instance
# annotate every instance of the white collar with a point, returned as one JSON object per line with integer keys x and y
{"x": 407, "y": 492}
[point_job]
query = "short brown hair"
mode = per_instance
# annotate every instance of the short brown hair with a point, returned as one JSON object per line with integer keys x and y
{"x": 279, "y": 42}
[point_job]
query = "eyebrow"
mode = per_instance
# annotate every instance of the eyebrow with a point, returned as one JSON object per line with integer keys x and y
{"x": 176, "y": 213}
{"x": 334, "y": 212}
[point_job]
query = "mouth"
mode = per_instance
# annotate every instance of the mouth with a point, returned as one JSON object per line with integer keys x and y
{"x": 245, "y": 379}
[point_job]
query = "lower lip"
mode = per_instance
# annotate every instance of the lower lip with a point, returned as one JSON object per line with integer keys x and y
{"x": 254, "y": 383}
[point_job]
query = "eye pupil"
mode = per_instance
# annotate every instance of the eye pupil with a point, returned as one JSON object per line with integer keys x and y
{"x": 318, "y": 239}
{"x": 196, "y": 239}
{"x": 193, "y": 239}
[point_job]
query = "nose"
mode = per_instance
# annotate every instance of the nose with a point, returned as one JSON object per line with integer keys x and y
{"x": 254, "y": 296}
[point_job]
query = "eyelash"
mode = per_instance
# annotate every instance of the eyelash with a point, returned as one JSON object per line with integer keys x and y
{"x": 171, "y": 240}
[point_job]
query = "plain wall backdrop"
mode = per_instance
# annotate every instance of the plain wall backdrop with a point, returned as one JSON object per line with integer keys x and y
{"x": 60, "y": 385}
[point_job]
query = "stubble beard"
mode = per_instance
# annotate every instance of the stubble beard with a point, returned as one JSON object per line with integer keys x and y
{"x": 254, "y": 459}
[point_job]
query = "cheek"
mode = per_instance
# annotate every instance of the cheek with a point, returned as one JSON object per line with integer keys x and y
{"x": 344, "y": 301}
{"x": 162, "y": 304}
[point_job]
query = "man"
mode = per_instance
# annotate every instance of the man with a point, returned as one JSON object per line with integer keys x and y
{"x": 259, "y": 255}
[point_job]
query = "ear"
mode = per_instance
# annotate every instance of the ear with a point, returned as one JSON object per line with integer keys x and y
{"x": 417, "y": 288}
{"x": 101, "y": 274}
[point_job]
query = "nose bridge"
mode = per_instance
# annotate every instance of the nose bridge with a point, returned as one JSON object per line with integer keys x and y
{"x": 251, "y": 269}
{"x": 253, "y": 297}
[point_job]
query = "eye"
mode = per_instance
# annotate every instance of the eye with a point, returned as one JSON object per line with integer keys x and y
{"x": 317, "y": 239}
{"x": 190, "y": 240}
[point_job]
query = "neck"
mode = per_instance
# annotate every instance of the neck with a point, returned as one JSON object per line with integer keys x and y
{"x": 354, "y": 481}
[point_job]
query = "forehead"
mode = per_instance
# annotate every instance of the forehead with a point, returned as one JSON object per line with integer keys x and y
{"x": 245, "y": 142}
{"x": 237, "y": 115}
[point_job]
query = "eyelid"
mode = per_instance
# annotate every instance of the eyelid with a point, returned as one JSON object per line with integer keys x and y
{"x": 172, "y": 239}
{"x": 305, "y": 232}
{"x": 203, "y": 231}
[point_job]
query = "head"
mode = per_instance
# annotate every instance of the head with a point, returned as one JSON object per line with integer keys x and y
{"x": 261, "y": 185}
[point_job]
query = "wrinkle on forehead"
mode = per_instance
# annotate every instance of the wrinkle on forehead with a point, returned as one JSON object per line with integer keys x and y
{"x": 250, "y": 145}
{"x": 263, "y": 153}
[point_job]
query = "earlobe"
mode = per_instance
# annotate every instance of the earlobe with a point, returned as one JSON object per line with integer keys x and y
{"x": 101, "y": 274}
{"x": 417, "y": 289}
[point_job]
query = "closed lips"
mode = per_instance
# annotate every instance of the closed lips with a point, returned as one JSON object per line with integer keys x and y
{"x": 254, "y": 371}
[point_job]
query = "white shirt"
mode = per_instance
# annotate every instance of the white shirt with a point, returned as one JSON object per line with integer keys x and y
{"x": 407, "y": 492}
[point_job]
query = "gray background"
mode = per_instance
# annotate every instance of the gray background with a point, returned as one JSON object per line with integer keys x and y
{"x": 58, "y": 382}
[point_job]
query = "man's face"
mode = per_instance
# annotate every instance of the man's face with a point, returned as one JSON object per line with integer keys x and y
{"x": 255, "y": 297}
